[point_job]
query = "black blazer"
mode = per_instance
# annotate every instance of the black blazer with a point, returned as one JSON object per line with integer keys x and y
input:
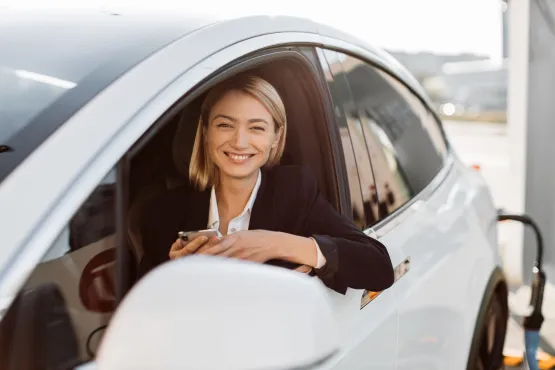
{"x": 288, "y": 200}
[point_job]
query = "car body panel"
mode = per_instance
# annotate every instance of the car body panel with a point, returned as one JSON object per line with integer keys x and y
{"x": 451, "y": 258}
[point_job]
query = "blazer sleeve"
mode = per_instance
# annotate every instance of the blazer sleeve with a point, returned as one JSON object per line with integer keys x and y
{"x": 353, "y": 259}
{"x": 150, "y": 256}
{"x": 157, "y": 229}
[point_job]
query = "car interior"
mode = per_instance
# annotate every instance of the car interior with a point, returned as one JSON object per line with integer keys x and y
{"x": 163, "y": 163}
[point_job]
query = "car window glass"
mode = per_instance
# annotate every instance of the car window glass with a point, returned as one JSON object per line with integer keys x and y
{"x": 360, "y": 176}
{"x": 60, "y": 314}
{"x": 405, "y": 143}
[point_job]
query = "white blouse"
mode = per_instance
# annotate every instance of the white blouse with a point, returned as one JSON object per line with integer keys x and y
{"x": 242, "y": 221}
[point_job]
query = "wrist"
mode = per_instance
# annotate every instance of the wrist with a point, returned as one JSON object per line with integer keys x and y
{"x": 297, "y": 249}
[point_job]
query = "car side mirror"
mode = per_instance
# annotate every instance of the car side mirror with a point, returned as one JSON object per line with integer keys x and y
{"x": 214, "y": 313}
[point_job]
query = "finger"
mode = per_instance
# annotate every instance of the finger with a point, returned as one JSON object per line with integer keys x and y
{"x": 177, "y": 245}
{"x": 259, "y": 257}
{"x": 189, "y": 247}
{"x": 304, "y": 269}
{"x": 175, "y": 248}
{"x": 221, "y": 246}
{"x": 195, "y": 244}
{"x": 210, "y": 243}
{"x": 233, "y": 252}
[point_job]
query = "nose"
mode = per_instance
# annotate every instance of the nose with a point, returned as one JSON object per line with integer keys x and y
{"x": 240, "y": 138}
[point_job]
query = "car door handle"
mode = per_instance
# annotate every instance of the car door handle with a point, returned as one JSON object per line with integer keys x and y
{"x": 398, "y": 272}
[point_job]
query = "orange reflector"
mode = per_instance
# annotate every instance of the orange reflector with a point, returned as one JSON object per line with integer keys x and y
{"x": 476, "y": 167}
{"x": 545, "y": 360}
{"x": 513, "y": 359}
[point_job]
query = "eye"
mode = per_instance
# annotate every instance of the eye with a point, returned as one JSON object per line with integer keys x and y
{"x": 223, "y": 125}
{"x": 258, "y": 128}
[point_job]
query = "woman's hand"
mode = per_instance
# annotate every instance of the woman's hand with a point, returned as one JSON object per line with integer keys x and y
{"x": 251, "y": 245}
{"x": 304, "y": 269}
{"x": 262, "y": 246}
{"x": 182, "y": 248}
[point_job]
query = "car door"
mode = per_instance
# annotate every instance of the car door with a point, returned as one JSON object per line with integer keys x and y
{"x": 369, "y": 320}
{"x": 423, "y": 213}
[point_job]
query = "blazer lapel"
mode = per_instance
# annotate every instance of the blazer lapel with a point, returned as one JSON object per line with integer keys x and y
{"x": 262, "y": 216}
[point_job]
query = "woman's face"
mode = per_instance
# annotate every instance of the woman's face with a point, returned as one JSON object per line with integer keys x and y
{"x": 240, "y": 135}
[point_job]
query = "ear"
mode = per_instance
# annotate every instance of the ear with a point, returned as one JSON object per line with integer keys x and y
{"x": 278, "y": 137}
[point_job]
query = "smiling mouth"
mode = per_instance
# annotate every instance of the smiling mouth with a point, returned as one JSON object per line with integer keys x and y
{"x": 238, "y": 158}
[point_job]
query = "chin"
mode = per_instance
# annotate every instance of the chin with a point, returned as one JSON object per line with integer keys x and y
{"x": 237, "y": 173}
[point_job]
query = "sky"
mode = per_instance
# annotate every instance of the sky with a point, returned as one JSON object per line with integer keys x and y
{"x": 441, "y": 26}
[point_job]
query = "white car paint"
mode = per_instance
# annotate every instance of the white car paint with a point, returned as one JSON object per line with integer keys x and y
{"x": 244, "y": 316}
{"x": 448, "y": 231}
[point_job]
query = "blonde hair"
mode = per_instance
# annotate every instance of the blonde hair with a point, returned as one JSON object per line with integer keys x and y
{"x": 202, "y": 171}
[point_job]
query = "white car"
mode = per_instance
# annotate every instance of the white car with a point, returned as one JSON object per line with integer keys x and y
{"x": 98, "y": 113}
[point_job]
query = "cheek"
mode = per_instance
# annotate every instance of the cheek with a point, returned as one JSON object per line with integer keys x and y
{"x": 214, "y": 140}
{"x": 264, "y": 143}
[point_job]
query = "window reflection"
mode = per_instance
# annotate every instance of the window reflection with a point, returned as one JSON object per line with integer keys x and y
{"x": 360, "y": 176}
{"x": 23, "y": 94}
{"x": 405, "y": 143}
{"x": 60, "y": 315}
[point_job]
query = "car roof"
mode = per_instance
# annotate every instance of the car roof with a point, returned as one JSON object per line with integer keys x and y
{"x": 79, "y": 39}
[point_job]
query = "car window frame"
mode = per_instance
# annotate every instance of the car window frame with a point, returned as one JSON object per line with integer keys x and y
{"x": 48, "y": 219}
{"x": 395, "y": 218}
{"x": 340, "y": 150}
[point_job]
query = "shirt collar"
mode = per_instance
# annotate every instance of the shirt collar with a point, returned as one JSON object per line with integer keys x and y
{"x": 214, "y": 215}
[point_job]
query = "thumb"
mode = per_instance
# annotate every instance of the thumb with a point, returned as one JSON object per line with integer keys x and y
{"x": 305, "y": 269}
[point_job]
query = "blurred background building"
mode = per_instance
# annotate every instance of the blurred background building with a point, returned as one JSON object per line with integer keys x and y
{"x": 464, "y": 86}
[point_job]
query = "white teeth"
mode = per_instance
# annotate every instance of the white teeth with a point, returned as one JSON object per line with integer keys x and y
{"x": 239, "y": 157}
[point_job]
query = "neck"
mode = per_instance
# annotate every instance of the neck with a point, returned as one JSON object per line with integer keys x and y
{"x": 233, "y": 194}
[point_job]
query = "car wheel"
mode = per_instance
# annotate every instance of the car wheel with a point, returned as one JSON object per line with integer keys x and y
{"x": 492, "y": 337}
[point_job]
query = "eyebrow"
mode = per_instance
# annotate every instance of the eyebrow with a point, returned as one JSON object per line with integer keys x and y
{"x": 252, "y": 120}
{"x": 257, "y": 120}
{"x": 226, "y": 117}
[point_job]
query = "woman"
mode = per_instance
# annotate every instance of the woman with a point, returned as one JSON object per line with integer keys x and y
{"x": 262, "y": 212}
